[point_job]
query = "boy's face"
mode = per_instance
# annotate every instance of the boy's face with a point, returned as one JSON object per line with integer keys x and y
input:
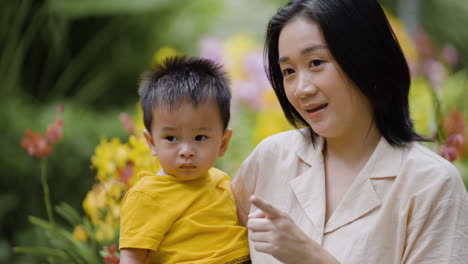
{"x": 187, "y": 140}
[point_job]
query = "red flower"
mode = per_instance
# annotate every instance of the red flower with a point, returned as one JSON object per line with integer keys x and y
{"x": 111, "y": 256}
{"x": 426, "y": 47}
{"x": 39, "y": 146}
{"x": 126, "y": 173}
{"x": 35, "y": 144}
{"x": 454, "y": 123}
{"x": 54, "y": 131}
{"x": 455, "y": 128}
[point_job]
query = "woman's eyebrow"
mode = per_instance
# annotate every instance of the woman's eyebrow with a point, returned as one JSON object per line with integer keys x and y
{"x": 305, "y": 50}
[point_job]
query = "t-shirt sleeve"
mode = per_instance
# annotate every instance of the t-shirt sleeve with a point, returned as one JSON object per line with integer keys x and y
{"x": 441, "y": 236}
{"x": 143, "y": 221}
{"x": 438, "y": 230}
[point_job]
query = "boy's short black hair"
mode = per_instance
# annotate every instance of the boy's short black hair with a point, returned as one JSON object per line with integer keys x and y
{"x": 184, "y": 78}
{"x": 362, "y": 42}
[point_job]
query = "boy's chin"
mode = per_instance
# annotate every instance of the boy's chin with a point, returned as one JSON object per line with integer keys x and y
{"x": 189, "y": 175}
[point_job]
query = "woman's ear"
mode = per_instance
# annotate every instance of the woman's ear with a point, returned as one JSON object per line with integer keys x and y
{"x": 150, "y": 142}
{"x": 225, "y": 142}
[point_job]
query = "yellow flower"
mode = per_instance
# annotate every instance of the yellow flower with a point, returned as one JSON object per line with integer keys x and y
{"x": 270, "y": 120}
{"x": 422, "y": 107}
{"x": 108, "y": 157}
{"x": 117, "y": 164}
{"x": 107, "y": 228}
{"x": 164, "y": 53}
{"x": 403, "y": 37}
{"x": 80, "y": 234}
{"x": 93, "y": 202}
{"x": 139, "y": 125}
{"x": 236, "y": 48}
{"x": 141, "y": 156}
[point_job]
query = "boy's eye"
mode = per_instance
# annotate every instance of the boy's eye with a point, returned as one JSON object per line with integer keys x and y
{"x": 171, "y": 138}
{"x": 287, "y": 71}
{"x": 315, "y": 63}
{"x": 201, "y": 138}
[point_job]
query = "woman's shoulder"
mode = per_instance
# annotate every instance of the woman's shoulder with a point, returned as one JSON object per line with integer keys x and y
{"x": 421, "y": 156}
{"x": 426, "y": 168}
{"x": 287, "y": 140}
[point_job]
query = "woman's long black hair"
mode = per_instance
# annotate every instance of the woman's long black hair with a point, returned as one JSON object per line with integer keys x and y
{"x": 362, "y": 41}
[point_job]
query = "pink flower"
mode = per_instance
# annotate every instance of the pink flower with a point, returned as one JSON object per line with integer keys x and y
{"x": 450, "y": 54}
{"x": 449, "y": 153}
{"x": 127, "y": 123}
{"x": 212, "y": 48}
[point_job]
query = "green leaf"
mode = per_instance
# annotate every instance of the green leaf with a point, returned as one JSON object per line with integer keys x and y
{"x": 68, "y": 213}
{"x": 455, "y": 92}
{"x": 86, "y": 8}
{"x": 60, "y": 238}
{"x": 42, "y": 251}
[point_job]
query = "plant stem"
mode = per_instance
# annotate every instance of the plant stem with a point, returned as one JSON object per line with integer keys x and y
{"x": 45, "y": 186}
{"x": 441, "y": 135}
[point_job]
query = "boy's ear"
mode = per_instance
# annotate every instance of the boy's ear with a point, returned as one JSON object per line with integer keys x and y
{"x": 150, "y": 142}
{"x": 225, "y": 142}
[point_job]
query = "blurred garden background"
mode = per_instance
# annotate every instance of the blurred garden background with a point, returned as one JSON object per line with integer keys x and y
{"x": 69, "y": 70}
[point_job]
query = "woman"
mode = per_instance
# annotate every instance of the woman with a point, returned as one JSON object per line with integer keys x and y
{"x": 353, "y": 186}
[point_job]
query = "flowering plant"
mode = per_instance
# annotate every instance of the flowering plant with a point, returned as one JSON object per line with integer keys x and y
{"x": 256, "y": 114}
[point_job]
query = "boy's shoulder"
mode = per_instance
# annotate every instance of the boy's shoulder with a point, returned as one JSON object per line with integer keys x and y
{"x": 149, "y": 184}
{"x": 220, "y": 178}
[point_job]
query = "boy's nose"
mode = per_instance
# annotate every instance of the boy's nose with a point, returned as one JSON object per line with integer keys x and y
{"x": 186, "y": 151}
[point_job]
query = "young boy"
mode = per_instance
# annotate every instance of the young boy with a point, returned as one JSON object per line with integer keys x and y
{"x": 186, "y": 212}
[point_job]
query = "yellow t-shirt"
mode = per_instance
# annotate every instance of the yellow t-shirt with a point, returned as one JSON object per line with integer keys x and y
{"x": 184, "y": 221}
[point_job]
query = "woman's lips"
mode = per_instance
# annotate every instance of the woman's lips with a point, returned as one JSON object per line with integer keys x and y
{"x": 313, "y": 111}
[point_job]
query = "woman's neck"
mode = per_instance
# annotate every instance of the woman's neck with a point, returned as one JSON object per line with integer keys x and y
{"x": 354, "y": 148}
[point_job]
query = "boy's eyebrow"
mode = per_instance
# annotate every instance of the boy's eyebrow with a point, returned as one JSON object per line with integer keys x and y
{"x": 203, "y": 129}
{"x": 308, "y": 49}
{"x": 196, "y": 129}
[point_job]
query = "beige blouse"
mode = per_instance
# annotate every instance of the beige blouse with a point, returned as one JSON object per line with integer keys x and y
{"x": 407, "y": 205}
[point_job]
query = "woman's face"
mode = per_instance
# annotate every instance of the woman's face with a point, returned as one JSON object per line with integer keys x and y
{"x": 315, "y": 84}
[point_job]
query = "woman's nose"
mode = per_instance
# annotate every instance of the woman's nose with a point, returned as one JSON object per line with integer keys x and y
{"x": 186, "y": 151}
{"x": 305, "y": 86}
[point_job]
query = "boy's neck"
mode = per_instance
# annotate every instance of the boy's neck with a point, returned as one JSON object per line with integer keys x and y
{"x": 162, "y": 172}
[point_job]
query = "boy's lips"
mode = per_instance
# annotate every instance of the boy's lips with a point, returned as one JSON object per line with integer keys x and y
{"x": 187, "y": 166}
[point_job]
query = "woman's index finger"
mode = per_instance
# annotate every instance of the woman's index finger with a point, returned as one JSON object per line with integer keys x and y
{"x": 269, "y": 210}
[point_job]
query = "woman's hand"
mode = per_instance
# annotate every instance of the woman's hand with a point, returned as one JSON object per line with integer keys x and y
{"x": 274, "y": 232}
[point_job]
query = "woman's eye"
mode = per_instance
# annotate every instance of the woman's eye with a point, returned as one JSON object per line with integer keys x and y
{"x": 315, "y": 63}
{"x": 201, "y": 138}
{"x": 287, "y": 71}
{"x": 171, "y": 138}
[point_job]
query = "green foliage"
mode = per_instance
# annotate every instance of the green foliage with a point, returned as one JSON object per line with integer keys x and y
{"x": 445, "y": 21}
{"x": 69, "y": 172}
{"x": 455, "y": 92}
{"x": 87, "y": 55}
{"x": 63, "y": 247}
{"x": 87, "y": 50}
